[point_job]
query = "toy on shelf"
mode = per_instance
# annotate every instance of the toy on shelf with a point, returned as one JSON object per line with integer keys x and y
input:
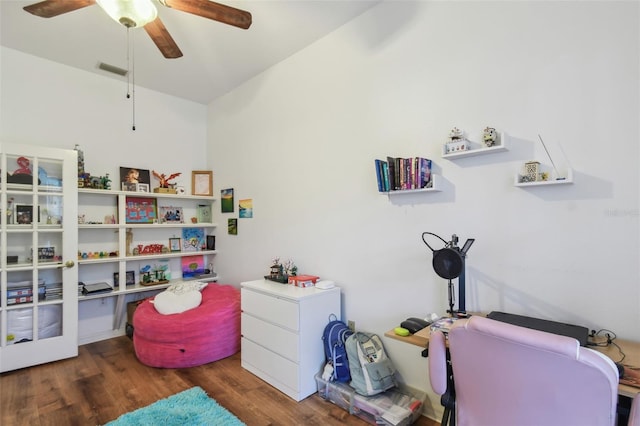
{"x": 166, "y": 186}
{"x": 457, "y": 142}
{"x": 489, "y": 136}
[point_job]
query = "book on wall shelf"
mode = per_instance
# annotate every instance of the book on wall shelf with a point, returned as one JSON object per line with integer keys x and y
{"x": 401, "y": 174}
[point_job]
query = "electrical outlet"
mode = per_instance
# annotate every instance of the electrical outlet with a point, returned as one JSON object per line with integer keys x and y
{"x": 351, "y": 325}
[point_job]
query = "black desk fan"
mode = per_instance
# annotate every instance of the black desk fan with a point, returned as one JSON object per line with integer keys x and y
{"x": 449, "y": 263}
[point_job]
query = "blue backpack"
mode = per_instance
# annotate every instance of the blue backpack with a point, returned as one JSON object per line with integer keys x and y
{"x": 334, "y": 337}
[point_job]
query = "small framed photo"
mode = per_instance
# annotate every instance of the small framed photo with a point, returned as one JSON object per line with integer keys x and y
{"x": 170, "y": 214}
{"x": 142, "y": 187}
{"x": 211, "y": 242}
{"x": 130, "y": 278}
{"x": 126, "y": 186}
{"x": 46, "y": 254}
{"x": 202, "y": 182}
{"x": 174, "y": 244}
{"x": 135, "y": 175}
{"x": 24, "y": 214}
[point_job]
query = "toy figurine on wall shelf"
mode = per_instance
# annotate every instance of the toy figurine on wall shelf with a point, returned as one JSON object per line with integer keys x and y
{"x": 489, "y": 136}
{"x": 166, "y": 186}
{"x": 457, "y": 141}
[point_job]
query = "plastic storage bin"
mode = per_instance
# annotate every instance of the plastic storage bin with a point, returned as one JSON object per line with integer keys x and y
{"x": 395, "y": 407}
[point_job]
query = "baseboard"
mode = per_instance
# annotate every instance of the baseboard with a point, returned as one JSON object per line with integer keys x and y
{"x": 104, "y": 335}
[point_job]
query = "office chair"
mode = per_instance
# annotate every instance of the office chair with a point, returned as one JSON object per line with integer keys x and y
{"x": 509, "y": 375}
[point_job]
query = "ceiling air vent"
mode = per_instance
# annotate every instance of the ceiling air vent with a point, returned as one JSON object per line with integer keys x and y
{"x": 112, "y": 69}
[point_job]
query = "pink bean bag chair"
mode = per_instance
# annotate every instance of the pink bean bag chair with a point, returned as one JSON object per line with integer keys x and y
{"x": 198, "y": 336}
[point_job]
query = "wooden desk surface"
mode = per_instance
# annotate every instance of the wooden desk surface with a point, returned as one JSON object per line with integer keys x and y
{"x": 630, "y": 348}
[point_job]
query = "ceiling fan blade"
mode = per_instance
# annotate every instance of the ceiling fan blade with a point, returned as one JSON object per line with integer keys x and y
{"x": 216, "y": 11}
{"x": 161, "y": 37}
{"x": 51, "y": 8}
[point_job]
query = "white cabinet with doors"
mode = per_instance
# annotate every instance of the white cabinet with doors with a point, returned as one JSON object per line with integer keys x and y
{"x": 38, "y": 246}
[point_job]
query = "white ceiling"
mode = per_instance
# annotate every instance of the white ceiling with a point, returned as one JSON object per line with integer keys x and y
{"x": 217, "y": 57}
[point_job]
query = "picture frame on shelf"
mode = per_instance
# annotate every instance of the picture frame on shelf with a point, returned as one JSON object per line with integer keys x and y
{"x": 170, "y": 214}
{"x": 204, "y": 213}
{"x": 142, "y": 187}
{"x": 211, "y": 242}
{"x": 130, "y": 278}
{"x": 175, "y": 244}
{"x": 202, "y": 182}
{"x": 135, "y": 175}
{"x": 46, "y": 254}
{"x": 141, "y": 210}
{"x": 24, "y": 214}
{"x": 132, "y": 187}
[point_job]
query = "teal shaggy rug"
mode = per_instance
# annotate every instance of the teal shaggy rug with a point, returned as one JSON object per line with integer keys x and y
{"x": 191, "y": 407}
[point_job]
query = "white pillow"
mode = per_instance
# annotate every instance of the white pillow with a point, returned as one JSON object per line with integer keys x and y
{"x": 184, "y": 287}
{"x": 168, "y": 302}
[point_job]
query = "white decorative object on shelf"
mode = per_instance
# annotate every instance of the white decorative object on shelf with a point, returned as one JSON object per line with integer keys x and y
{"x": 457, "y": 142}
{"x": 474, "y": 149}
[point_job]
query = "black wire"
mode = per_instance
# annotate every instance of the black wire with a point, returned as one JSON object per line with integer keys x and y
{"x": 611, "y": 336}
{"x": 431, "y": 233}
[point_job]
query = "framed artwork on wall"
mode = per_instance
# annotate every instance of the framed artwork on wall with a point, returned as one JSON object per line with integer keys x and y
{"x": 226, "y": 200}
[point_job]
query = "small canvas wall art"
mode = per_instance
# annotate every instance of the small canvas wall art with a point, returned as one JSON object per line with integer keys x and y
{"x": 226, "y": 200}
{"x": 245, "y": 208}
{"x": 192, "y": 266}
{"x": 232, "y": 226}
{"x": 193, "y": 239}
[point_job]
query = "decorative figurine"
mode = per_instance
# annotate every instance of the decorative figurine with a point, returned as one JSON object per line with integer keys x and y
{"x": 457, "y": 141}
{"x": 456, "y": 134}
{"x": 164, "y": 180}
{"x": 24, "y": 164}
{"x": 166, "y": 186}
{"x": 489, "y": 136}
{"x": 47, "y": 180}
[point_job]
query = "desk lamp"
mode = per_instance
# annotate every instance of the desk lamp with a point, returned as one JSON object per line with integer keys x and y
{"x": 449, "y": 263}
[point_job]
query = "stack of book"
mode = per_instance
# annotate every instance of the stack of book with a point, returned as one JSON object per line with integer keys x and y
{"x": 22, "y": 292}
{"x": 398, "y": 174}
{"x": 53, "y": 291}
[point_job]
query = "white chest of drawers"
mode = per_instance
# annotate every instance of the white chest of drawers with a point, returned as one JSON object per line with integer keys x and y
{"x": 282, "y": 329}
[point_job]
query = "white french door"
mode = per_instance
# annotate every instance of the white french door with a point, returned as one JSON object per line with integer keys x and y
{"x": 38, "y": 252}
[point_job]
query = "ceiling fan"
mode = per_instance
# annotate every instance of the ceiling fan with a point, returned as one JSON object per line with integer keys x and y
{"x": 137, "y": 13}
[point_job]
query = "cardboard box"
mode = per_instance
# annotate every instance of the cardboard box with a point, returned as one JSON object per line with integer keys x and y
{"x": 395, "y": 407}
{"x": 131, "y": 309}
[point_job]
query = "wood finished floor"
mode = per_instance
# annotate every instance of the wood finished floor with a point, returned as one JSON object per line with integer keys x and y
{"x": 106, "y": 380}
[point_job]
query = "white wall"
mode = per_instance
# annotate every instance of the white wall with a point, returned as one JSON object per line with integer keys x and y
{"x": 301, "y": 139}
{"x": 48, "y": 104}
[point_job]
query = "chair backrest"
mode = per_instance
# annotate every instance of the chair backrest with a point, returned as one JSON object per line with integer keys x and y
{"x": 510, "y": 375}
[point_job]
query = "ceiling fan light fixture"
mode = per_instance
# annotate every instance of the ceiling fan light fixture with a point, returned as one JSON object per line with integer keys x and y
{"x": 130, "y": 13}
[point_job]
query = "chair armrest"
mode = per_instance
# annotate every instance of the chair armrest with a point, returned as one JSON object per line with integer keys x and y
{"x": 634, "y": 414}
{"x": 438, "y": 362}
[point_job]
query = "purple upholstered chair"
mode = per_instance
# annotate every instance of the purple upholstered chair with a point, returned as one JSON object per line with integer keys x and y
{"x": 510, "y": 375}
